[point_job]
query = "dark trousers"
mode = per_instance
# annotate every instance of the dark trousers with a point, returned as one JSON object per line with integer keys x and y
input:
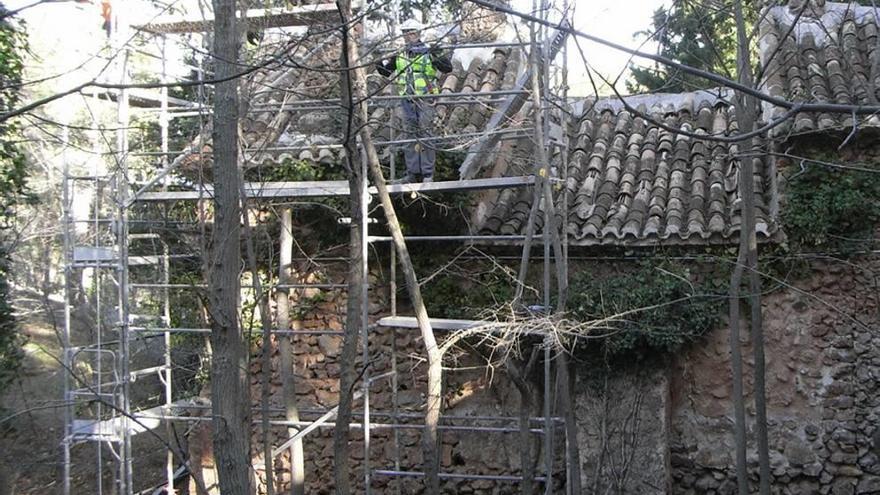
{"x": 418, "y": 121}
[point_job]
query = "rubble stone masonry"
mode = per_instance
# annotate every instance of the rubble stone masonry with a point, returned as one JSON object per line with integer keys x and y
{"x": 823, "y": 364}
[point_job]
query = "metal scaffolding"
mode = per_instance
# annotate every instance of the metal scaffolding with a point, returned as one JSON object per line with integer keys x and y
{"x": 101, "y": 252}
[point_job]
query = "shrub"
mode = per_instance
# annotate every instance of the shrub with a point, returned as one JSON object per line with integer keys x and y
{"x": 661, "y": 308}
{"x": 832, "y": 207}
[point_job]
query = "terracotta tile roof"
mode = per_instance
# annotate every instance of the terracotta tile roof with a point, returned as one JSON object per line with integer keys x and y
{"x": 829, "y": 55}
{"x": 630, "y": 182}
{"x": 289, "y": 134}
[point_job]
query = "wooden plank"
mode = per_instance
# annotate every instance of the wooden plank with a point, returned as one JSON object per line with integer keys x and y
{"x": 303, "y": 15}
{"x": 279, "y": 190}
{"x": 461, "y": 185}
{"x": 111, "y": 429}
{"x": 436, "y": 323}
{"x": 142, "y": 98}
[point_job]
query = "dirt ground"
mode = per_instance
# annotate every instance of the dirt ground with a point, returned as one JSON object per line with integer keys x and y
{"x": 30, "y": 456}
{"x": 31, "y": 417}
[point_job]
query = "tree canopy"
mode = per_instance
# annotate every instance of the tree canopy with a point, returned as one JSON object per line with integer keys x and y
{"x": 13, "y": 44}
{"x": 697, "y": 33}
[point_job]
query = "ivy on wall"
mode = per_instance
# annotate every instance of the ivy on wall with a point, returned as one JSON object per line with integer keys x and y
{"x": 658, "y": 306}
{"x": 467, "y": 291}
{"x": 831, "y": 207}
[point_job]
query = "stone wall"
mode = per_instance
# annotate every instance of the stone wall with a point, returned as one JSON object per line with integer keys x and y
{"x": 664, "y": 426}
{"x": 823, "y": 365}
{"x": 623, "y": 429}
{"x": 469, "y": 390}
{"x": 822, "y": 368}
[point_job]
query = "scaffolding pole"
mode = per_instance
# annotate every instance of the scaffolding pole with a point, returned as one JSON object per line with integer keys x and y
{"x": 65, "y": 334}
{"x": 126, "y": 480}
{"x": 125, "y": 199}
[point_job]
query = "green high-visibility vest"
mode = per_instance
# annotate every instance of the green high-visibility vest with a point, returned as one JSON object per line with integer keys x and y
{"x": 416, "y": 76}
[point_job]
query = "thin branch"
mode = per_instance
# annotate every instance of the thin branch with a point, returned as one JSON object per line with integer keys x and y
{"x": 781, "y": 102}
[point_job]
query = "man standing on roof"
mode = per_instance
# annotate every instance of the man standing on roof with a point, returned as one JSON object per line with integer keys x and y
{"x": 416, "y": 71}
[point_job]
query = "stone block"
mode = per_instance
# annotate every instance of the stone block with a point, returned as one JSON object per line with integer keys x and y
{"x": 705, "y": 483}
{"x": 329, "y": 344}
{"x": 727, "y": 487}
{"x": 843, "y": 458}
{"x": 843, "y": 436}
{"x": 819, "y": 330}
{"x": 805, "y": 487}
{"x": 845, "y": 415}
{"x": 868, "y": 484}
{"x": 839, "y": 388}
{"x": 326, "y": 398}
{"x": 868, "y": 461}
{"x": 843, "y": 486}
{"x": 799, "y": 453}
{"x": 849, "y": 470}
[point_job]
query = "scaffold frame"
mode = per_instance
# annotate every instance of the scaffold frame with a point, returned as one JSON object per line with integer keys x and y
{"x": 114, "y": 423}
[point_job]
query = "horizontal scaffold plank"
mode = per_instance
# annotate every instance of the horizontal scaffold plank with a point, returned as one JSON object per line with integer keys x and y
{"x": 278, "y": 190}
{"x": 140, "y": 422}
{"x": 436, "y": 323}
{"x": 303, "y": 15}
{"x": 143, "y": 98}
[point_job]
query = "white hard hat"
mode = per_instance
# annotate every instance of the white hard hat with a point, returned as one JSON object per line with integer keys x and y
{"x": 411, "y": 25}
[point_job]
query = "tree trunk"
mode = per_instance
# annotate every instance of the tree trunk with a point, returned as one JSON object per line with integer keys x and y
{"x": 354, "y": 310}
{"x": 356, "y": 83}
{"x": 565, "y": 382}
{"x": 519, "y": 374}
{"x": 230, "y": 401}
{"x": 266, "y": 362}
{"x": 746, "y": 111}
{"x": 430, "y": 438}
{"x": 282, "y": 308}
{"x": 739, "y": 411}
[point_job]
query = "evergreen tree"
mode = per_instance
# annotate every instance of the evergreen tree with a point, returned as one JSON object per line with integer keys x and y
{"x": 698, "y": 33}
{"x": 13, "y": 45}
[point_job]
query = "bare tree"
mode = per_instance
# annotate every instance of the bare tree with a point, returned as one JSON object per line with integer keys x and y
{"x": 354, "y": 319}
{"x": 229, "y": 382}
{"x": 354, "y": 78}
{"x": 282, "y": 306}
{"x": 747, "y": 109}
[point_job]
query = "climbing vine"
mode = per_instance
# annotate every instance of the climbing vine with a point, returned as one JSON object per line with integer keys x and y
{"x": 467, "y": 290}
{"x": 831, "y": 207}
{"x": 656, "y": 307}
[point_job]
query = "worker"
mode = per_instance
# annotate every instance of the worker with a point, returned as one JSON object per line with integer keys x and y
{"x": 416, "y": 71}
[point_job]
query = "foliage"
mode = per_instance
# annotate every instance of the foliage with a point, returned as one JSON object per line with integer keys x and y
{"x": 697, "y": 33}
{"x": 297, "y": 171}
{"x": 13, "y": 45}
{"x": 11, "y": 354}
{"x": 428, "y": 11}
{"x": 828, "y": 206}
{"x": 439, "y": 213}
{"x": 466, "y": 291}
{"x": 660, "y": 308}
